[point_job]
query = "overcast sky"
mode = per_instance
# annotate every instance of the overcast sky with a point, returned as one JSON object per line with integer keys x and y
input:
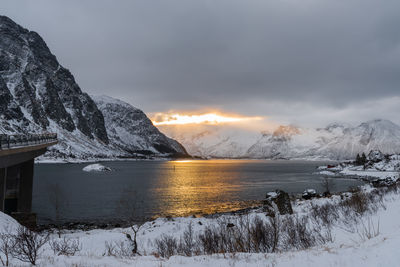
{"x": 306, "y": 62}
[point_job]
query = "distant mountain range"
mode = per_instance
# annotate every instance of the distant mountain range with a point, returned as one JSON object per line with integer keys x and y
{"x": 336, "y": 141}
{"x": 37, "y": 94}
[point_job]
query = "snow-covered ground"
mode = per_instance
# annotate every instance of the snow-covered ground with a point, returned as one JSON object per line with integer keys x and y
{"x": 350, "y": 246}
{"x": 377, "y": 167}
{"x": 357, "y": 172}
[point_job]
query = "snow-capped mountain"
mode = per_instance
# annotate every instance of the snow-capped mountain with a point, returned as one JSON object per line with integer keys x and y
{"x": 382, "y": 135}
{"x": 336, "y": 141}
{"x": 214, "y": 141}
{"x": 37, "y": 94}
{"x": 131, "y": 130}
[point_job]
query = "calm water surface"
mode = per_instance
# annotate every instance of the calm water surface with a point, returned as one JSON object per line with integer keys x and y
{"x": 167, "y": 188}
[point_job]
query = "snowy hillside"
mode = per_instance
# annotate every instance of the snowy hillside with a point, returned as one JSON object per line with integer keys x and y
{"x": 336, "y": 141}
{"x": 380, "y": 135}
{"x": 37, "y": 94}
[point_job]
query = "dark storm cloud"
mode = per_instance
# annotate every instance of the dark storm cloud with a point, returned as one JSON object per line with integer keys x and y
{"x": 241, "y": 56}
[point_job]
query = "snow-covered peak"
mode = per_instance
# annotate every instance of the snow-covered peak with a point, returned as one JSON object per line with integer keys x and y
{"x": 102, "y": 100}
{"x": 286, "y": 131}
{"x": 379, "y": 126}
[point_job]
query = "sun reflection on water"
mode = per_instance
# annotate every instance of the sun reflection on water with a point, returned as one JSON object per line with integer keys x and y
{"x": 198, "y": 188}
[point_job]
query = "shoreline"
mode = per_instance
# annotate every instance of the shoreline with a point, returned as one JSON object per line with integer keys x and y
{"x": 94, "y": 160}
{"x": 109, "y": 225}
{"x": 250, "y": 205}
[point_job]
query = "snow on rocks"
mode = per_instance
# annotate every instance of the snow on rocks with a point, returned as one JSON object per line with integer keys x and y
{"x": 277, "y": 200}
{"x": 309, "y": 193}
{"x": 271, "y": 195}
{"x": 378, "y": 166}
{"x": 96, "y": 168}
{"x": 375, "y": 155}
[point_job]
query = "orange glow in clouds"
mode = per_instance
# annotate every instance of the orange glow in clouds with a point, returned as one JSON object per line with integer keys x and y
{"x": 208, "y": 118}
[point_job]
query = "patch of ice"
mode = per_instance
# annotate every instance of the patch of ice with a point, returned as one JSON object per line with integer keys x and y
{"x": 96, "y": 167}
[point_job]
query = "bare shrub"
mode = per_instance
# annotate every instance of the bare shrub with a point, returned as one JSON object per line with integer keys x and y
{"x": 261, "y": 236}
{"x": 28, "y": 244}
{"x": 358, "y": 202}
{"x": 186, "y": 243}
{"x": 209, "y": 241}
{"x": 393, "y": 188}
{"x": 6, "y": 247}
{"x": 130, "y": 205}
{"x": 275, "y": 225}
{"x": 246, "y": 235}
{"x": 166, "y": 246}
{"x": 324, "y": 214}
{"x": 118, "y": 249}
{"x": 277, "y": 233}
{"x": 123, "y": 250}
{"x": 65, "y": 246}
{"x": 110, "y": 249}
{"x": 368, "y": 230}
{"x": 306, "y": 238}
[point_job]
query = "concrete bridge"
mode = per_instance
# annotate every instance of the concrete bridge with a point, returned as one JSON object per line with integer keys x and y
{"x": 17, "y": 154}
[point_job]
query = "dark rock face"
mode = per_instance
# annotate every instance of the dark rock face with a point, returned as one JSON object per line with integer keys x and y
{"x": 309, "y": 194}
{"x": 32, "y": 80}
{"x": 281, "y": 200}
{"x": 8, "y": 109}
{"x": 375, "y": 156}
{"x": 384, "y": 182}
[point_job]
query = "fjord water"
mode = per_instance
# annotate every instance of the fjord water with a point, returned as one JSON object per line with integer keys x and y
{"x": 167, "y": 188}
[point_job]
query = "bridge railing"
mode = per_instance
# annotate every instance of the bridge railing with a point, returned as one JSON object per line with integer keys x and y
{"x": 12, "y": 141}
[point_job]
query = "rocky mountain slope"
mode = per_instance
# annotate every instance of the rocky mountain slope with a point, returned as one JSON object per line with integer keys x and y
{"x": 37, "y": 94}
{"x": 129, "y": 129}
{"x": 336, "y": 141}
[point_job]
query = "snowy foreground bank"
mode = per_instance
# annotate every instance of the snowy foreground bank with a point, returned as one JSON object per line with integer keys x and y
{"x": 343, "y": 230}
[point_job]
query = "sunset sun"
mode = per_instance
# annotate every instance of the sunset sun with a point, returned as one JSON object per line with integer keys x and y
{"x": 207, "y": 118}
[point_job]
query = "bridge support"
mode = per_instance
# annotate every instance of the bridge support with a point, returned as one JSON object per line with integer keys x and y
{"x": 17, "y": 154}
{"x": 25, "y": 186}
{"x": 16, "y": 183}
{"x": 3, "y": 175}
